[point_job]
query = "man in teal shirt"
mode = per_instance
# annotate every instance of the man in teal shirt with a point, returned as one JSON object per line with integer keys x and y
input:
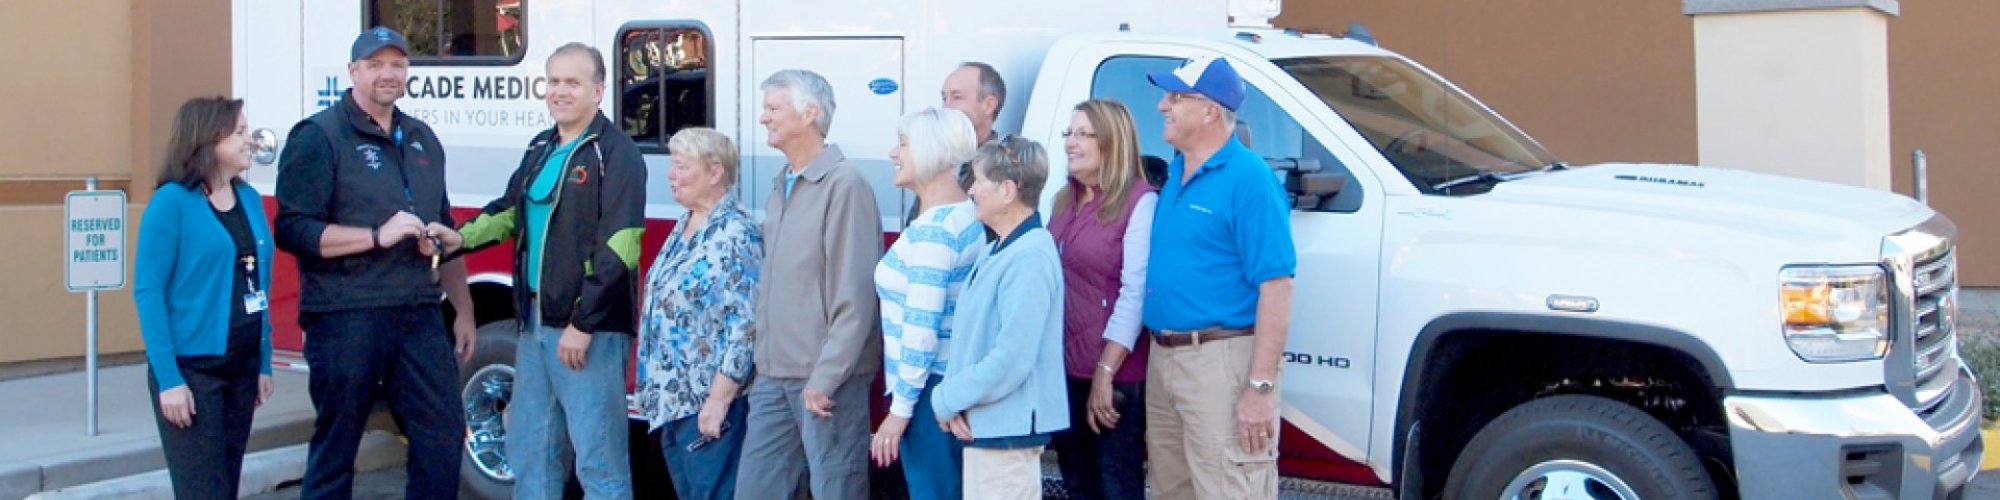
{"x": 575, "y": 209}
{"x": 541, "y": 204}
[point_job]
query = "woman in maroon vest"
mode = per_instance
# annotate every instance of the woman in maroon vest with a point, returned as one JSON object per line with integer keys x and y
{"x": 1102, "y": 225}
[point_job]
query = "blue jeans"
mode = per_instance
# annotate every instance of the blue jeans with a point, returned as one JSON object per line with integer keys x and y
{"x": 1110, "y": 465}
{"x": 709, "y": 471}
{"x": 931, "y": 458}
{"x": 556, "y": 410}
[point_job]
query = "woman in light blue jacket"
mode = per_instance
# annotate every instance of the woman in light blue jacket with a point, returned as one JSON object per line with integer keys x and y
{"x": 1003, "y": 392}
{"x": 201, "y": 269}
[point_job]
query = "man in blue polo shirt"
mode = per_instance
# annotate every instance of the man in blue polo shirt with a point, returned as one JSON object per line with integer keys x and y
{"x": 1218, "y": 298}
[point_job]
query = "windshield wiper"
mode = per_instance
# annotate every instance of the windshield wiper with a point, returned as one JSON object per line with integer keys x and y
{"x": 1491, "y": 176}
{"x": 1482, "y": 176}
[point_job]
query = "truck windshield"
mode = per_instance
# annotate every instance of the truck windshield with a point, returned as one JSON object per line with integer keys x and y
{"x": 1439, "y": 138}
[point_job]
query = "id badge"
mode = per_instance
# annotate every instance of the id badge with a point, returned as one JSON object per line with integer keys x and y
{"x": 254, "y": 302}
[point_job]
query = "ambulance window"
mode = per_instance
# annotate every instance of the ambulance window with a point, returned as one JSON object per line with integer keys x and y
{"x": 454, "y": 32}
{"x": 663, "y": 83}
{"x": 1260, "y": 124}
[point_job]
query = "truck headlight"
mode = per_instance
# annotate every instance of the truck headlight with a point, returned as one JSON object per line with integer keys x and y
{"x": 1835, "y": 313}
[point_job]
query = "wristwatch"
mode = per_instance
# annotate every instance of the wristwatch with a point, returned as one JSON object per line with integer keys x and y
{"x": 1263, "y": 386}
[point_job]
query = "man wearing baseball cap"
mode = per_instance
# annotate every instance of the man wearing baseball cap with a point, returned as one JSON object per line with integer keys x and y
{"x": 1218, "y": 297}
{"x": 360, "y": 191}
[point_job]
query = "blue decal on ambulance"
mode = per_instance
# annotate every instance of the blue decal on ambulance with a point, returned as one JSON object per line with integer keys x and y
{"x": 882, "y": 86}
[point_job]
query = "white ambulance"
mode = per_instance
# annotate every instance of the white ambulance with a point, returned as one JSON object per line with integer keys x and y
{"x": 1472, "y": 319}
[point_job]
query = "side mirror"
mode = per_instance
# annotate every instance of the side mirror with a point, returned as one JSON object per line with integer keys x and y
{"x": 1306, "y": 182}
{"x": 266, "y": 142}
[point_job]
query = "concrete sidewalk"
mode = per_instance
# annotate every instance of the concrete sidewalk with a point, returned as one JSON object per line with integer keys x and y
{"x": 42, "y": 442}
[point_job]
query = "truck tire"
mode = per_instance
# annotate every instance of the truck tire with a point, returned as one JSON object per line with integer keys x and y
{"x": 1575, "y": 446}
{"x": 487, "y": 384}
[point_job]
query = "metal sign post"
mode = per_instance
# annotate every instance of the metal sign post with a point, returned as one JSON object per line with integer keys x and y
{"x": 1920, "y": 168}
{"x": 93, "y": 260}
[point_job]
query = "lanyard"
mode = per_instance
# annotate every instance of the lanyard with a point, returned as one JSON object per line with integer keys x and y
{"x": 403, "y": 169}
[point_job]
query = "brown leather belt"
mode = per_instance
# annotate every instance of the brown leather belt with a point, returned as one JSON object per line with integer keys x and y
{"x": 1184, "y": 338}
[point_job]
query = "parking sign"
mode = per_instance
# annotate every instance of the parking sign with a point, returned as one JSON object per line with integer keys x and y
{"x": 94, "y": 251}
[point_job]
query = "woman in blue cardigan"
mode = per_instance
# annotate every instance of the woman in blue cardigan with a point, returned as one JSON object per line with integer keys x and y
{"x": 1003, "y": 392}
{"x": 200, "y": 274}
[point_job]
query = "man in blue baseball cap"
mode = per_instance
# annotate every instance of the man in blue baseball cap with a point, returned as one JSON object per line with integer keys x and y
{"x": 361, "y": 191}
{"x": 1218, "y": 297}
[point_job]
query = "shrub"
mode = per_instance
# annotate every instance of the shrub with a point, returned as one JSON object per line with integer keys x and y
{"x": 1980, "y": 346}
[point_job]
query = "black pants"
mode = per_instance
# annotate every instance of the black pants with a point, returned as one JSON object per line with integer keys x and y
{"x": 403, "y": 355}
{"x": 205, "y": 460}
{"x": 1110, "y": 464}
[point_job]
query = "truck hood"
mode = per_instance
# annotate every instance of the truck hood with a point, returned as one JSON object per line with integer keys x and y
{"x": 1765, "y": 204}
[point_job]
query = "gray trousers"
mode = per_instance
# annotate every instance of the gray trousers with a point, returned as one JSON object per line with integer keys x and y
{"x": 785, "y": 446}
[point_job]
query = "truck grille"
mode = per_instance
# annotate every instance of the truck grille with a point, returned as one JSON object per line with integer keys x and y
{"x": 1934, "y": 279}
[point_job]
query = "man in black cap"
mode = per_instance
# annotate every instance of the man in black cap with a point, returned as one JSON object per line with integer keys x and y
{"x": 360, "y": 194}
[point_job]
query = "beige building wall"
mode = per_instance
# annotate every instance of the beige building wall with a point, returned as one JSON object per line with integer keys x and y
{"x": 1597, "y": 80}
{"x": 1942, "y": 83}
{"x": 91, "y": 89}
{"x": 1593, "y": 80}
{"x": 1801, "y": 93}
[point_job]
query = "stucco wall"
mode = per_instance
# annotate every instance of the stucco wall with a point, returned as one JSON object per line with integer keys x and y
{"x": 1593, "y": 81}
{"x": 91, "y": 89}
{"x": 1942, "y": 81}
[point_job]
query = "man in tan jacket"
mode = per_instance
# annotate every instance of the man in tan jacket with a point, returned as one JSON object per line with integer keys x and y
{"x": 818, "y": 343}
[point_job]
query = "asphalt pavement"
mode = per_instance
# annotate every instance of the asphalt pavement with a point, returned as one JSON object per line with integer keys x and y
{"x": 388, "y": 483}
{"x": 385, "y": 483}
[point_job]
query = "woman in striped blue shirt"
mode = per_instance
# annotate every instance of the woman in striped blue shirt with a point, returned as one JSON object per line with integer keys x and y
{"x": 918, "y": 281}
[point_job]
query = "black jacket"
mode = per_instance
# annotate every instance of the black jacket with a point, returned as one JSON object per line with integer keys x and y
{"x": 590, "y": 251}
{"x": 339, "y": 167}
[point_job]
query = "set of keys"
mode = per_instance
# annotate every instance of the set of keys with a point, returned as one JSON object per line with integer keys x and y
{"x": 437, "y": 255}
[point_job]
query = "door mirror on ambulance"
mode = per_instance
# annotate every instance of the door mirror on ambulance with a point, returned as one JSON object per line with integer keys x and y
{"x": 266, "y": 142}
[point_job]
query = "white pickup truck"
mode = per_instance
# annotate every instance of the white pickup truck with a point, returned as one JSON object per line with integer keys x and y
{"x": 1473, "y": 317}
{"x": 1476, "y": 319}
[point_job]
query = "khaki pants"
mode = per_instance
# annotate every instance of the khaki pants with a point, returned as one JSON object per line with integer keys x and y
{"x": 1191, "y": 438}
{"x": 1003, "y": 474}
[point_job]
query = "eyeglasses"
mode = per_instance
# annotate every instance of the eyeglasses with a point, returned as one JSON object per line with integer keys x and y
{"x": 1079, "y": 133}
{"x": 1177, "y": 97}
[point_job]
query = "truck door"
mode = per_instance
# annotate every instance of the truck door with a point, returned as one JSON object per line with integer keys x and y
{"x": 1328, "y": 369}
{"x": 866, "y": 74}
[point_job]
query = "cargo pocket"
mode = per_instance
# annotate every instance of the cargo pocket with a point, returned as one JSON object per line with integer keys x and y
{"x": 1233, "y": 451}
{"x": 1252, "y": 475}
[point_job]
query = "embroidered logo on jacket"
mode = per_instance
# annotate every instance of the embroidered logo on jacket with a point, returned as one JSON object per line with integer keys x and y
{"x": 371, "y": 154}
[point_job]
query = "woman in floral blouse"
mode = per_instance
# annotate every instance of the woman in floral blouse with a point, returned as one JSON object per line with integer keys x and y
{"x": 696, "y": 323}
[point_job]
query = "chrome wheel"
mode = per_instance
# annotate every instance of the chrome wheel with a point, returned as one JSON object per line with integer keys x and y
{"x": 486, "y": 395}
{"x": 1567, "y": 480}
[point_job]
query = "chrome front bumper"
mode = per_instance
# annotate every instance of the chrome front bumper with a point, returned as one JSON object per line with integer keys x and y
{"x": 1855, "y": 445}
